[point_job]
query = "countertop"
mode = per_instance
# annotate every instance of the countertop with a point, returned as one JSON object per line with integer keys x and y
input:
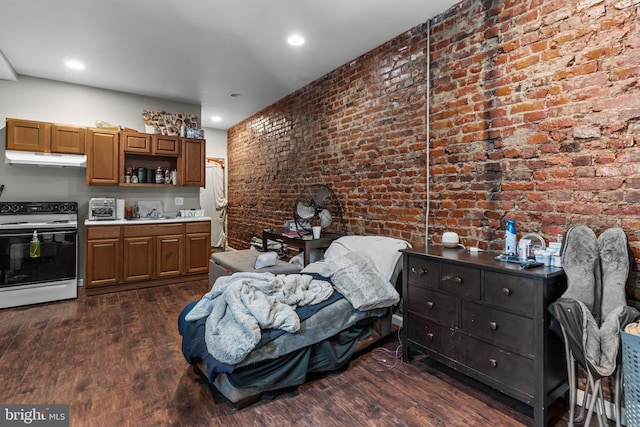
{"x": 146, "y": 221}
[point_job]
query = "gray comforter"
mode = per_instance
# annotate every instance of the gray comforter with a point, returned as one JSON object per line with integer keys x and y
{"x": 240, "y": 305}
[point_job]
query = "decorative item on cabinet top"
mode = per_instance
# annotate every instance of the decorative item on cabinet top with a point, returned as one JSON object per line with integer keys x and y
{"x": 165, "y": 123}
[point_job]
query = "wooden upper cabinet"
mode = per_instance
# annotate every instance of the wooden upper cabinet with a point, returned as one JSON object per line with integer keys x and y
{"x": 164, "y": 145}
{"x": 102, "y": 157}
{"x": 68, "y": 139}
{"x": 134, "y": 142}
{"x": 43, "y": 137}
{"x": 144, "y": 143}
{"x": 27, "y": 135}
{"x": 193, "y": 151}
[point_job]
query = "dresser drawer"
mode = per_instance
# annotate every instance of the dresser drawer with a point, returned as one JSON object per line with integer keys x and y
{"x": 461, "y": 281}
{"x": 508, "y": 368}
{"x": 503, "y": 329}
{"x": 429, "y": 334}
{"x": 433, "y": 305}
{"x": 509, "y": 292}
{"x": 423, "y": 272}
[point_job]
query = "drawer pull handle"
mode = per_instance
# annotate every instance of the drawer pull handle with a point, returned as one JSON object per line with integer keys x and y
{"x": 493, "y": 326}
{"x": 493, "y": 363}
{"x": 429, "y": 304}
{"x": 506, "y": 292}
{"x": 458, "y": 280}
{"x": 419, "y": 272}
{"x": 430, "y": 336}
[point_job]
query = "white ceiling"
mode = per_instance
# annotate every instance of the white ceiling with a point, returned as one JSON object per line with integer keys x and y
{"x": 199, "y": 51}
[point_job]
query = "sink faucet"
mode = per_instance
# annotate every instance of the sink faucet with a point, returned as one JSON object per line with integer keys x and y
{"x": 153, "y": 213}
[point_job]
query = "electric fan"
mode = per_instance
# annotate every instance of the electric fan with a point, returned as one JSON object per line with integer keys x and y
{"x": 318, "y": 205}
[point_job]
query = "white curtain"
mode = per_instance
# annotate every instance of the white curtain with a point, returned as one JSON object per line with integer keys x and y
{"x": 214, "y": 201}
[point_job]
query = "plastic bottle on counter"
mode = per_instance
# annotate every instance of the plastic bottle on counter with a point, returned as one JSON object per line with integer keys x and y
{"x": 510, "y": 242}
{"x": 159, "y": 175}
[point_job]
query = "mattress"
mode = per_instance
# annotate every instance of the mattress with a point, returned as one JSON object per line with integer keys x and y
{"x": 225, "y": 263}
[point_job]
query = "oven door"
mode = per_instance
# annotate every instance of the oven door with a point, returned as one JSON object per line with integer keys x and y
{"x": 56, "y": 260}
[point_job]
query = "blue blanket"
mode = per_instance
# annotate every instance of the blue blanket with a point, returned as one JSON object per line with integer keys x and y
{"x": 194, "y": 347}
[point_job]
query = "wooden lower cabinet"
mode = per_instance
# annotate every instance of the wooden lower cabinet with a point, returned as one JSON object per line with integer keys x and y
{"x": 170, "y": 256}
{"x": 486, "y": 319}
{"x": 138, "y": 259}
{"x": 198, "y": 247}
{"x": 104, "y": 256}
{"x": 135, "y": 256}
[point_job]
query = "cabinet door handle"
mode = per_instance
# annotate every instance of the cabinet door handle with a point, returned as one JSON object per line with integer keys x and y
{"x": 493, "y": 363}
{"x": 430, "y": 336}
{"x": 419, "y": 272}
{"x": 506, "y": 292}
{"x": 493, "y": 326}
{"x": 458, "y": 280}
{"x": 429, "y": 304}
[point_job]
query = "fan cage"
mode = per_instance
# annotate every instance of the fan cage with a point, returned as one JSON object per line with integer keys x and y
{"x": 312, "y": 206}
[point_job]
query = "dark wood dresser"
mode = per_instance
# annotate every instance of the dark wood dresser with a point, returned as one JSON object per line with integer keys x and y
{"x": 486, "y": 319}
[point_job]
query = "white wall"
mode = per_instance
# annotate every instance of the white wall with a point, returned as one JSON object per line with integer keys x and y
{"x": 216, "y": 143}
{"x": 45, "y": 100}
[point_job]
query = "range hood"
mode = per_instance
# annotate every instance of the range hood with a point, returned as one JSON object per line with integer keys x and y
{"x": 14, "y": 157}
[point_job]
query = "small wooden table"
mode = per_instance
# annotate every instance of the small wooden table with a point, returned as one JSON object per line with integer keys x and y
{"x": 297, "y": 242}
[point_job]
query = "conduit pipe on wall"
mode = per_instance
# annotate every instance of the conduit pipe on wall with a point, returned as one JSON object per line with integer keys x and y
{"x": 428, "y": 130}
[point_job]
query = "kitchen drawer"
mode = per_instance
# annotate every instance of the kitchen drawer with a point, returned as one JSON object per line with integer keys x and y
{"x": 434, "y": 305}
{"x": 103, "y": 232}
{"x": 503, "y": 329}
{"x": 509, "y": 292}
{"x": 461, "y": 281}
{"x": 423, "y": 272}
{"x": 434, "y": 337}
{"x": 198, "y": 227}
{"x": 508, "y": 368}
{"x": 152, "y": 230}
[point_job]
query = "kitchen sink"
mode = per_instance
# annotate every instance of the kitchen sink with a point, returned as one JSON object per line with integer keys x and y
{"x": 150, "y": 218}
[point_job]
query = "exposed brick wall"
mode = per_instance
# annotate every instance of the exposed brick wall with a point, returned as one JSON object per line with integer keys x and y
{"x": 360, "y": 130}
{"x": 535, "y": 116}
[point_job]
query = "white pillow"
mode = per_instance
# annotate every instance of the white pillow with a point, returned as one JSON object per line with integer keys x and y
{"x": 384, "y": 251}
{"x": 266, "y": 259}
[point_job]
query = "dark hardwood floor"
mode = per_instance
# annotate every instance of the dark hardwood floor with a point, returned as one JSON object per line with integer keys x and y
{"x": 116, "y": 360}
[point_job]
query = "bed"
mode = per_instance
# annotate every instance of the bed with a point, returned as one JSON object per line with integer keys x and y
{"x": 254, "y": 334}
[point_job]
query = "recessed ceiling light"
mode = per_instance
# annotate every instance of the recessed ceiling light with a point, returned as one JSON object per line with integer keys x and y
{"x": 216, "y": 118}
{"x": 75, "y": 65}
{"x": 295, "y": 40}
